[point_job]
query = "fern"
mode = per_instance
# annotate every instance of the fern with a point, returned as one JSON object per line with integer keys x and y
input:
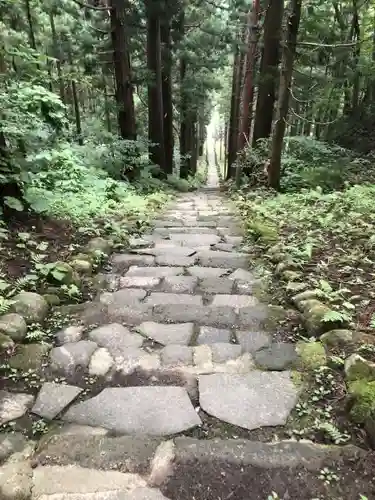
{"x": 5, "y": 305}
{"x": 335, "y": 316}
{"x": 332, "y": 432}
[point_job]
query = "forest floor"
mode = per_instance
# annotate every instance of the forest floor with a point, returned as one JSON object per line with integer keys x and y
{"x": 183, "y": 342}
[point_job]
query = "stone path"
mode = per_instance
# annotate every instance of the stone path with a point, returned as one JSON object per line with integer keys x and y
{"x": 176, "y": 335}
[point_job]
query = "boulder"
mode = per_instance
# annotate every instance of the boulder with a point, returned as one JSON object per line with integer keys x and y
{"x": 5, "y": 342}
{"x": 311, "y": 355}
{"x": 338, "y": 337}
{"x": 304, "y": 296}
{"x": 52, "y": 299}
{"x": 14, "y": 326}
{"x": 81, "y": 266}
{"x": 99, "y": 245}
{"x": 32, "y": 306}
{"x": 314, "y": 314}
{"x": 29, "y": 357}
{"x": 359, "y": 368}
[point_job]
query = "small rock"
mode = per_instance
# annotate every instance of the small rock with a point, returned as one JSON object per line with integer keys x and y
{"x": 13, "y": 405}
{"x": 359, "y": 368}
{"x": 100, "y": 245}
{"x": 29, "y": 357}
{"x": 5, "y": 342}
{"x": 101, "y": 362}
{"x": 338, "y": 337}
{"x": 14, "y": 326}
{"x": 279, "y": 356}
{"x": 311, "y": 355}
{"x": 70, "y": 334}
{"x": 16, "y": 481}
{"x": 53, "y": 398}
{"x": 32, "y": 306}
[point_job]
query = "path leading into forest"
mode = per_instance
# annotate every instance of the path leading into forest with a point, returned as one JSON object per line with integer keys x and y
{"x": 171, "y": 348}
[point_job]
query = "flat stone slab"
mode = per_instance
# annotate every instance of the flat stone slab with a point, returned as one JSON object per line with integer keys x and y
{"x": 211, "y": 335}
{"x": 126, "y": 296}
{"x": 122, "y": 453}
{"x": 224, "y": 351}
{"x": 151, "y": 410}
{"x": 156, "y": 298}
{"x": 169, "y": 259}
{"x": 278, "y": 356}
{"x": 259, "y": 399}
{"x": 223, "y": 259}
{"x": 235, "y": 301}
{"x": 13, "y": 405}
{"x": 53, "y": 398}
{"x": 155, "y": 272}
{"x": 216, "y": 285}
{"x": 177, "y": 355}
{"x": 77, "y": 482}
{"x": 207, "y": 272}
{"x": 139, "y": 282}
{"x": 233, "y": 240}
{"x": 115, "y": 338}
{"x": 202, "y": 315}
{"x": 179, "y": 284}
{"x": 166, "y": 334}
{"x": 193, "y": 240}
{"x": 192, "y": 230}
{"x": 242, "y": 275}
{"x": 170, "y": 248}
{"x": 121, "y": 262}
{"x": 69, "y": 357}
{"x": 252, "y": 341}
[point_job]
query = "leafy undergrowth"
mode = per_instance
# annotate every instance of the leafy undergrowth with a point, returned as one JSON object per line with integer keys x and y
{"x": 322, "y": 242}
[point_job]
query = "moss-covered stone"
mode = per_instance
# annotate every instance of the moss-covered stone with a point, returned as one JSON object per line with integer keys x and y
{"x": 311, "y": 355}
{"x": 29, "y": 357}
{"x": 338, "y": 337}
{"x": 314, "y": 318}
{"x": 362, "y": 393}
{"x": 304, "y": 296}
{"x": 262, "y": 231}
{"x": 359, "y": 368}
{"x": 99, "y": 245}
{"x": 65, "y": 274}
{"x": 14, "y": 326}
{"x": 285, "y": 265}
{"x": 306, "y": 305}
{"x": 52, "y": 299}
{"x": 290, "y": 275}
{"x": 5, "y": 342}
{"x": 293, "y": 287}
{"x": 81, "y": 266}
{"x": 32, "y": 306}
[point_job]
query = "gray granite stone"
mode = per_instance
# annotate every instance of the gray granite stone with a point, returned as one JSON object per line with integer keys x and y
{"x": 169, "y": 259}
{"x": 223, "y": 259}
{"x": 222, "y": 352}
{"x": 165, "y": 334}
{"x": 144, "y": 282}
{"x": 157, "y": 410}
{"x": 13, "y": 405}
{"x": 179, "y": 284}
{"x": 115, "y": 338}
{"x": 101, "y": 362}
{"x": 168, "y": 248}
{"x": 177, "y": 355}
{"x": 155, "y": 272}
{"x": 70, "y": 334}
{"x": 202, "y": 315}
{"x": 252, "y": 340}
{"x": 125, "y": 296}
{"x": 216, "y": 285}
{"x": 11, "y": 442}
{"x": 71, "y": 356}
{"x": 156, "y": 298}
{"x": 53, "y": 398}
{"x": 259, "y": 399}
{"x": 211, "y": 335}
{"x": 278, "y": 356}
{"x": 254, "y": 316}
{"x": 242, "y": 275}
{"x": 130, "y": 315}
{"x": 121, "y": 262}
{"x": 224, "y": 247}
{"x": 234, "y": 240}
{"x": 207, "y": 272}
{"x": 192, "y": 230}
{"x": 235, "y": 301}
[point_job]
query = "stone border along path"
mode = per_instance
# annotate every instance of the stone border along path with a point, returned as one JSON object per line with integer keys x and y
{"x": 180, "y": 308}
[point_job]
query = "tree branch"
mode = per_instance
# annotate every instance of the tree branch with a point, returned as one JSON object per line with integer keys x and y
{"x": 92, "y": 7}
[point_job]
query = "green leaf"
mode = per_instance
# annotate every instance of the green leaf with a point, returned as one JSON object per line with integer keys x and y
{"x": 13, "y": 203}
{"x": 58, "y": 275}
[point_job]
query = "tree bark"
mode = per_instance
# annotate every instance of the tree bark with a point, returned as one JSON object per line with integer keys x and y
{"x": 165, "y": 33}
{"x": 77, "y": 114}
{"x": 289, "y": 52}
{"x": 57, "y": 55}
{"x": 121, "y": 60}
{"x": 248, "y": 88}
{"x": 268, "y": 70}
